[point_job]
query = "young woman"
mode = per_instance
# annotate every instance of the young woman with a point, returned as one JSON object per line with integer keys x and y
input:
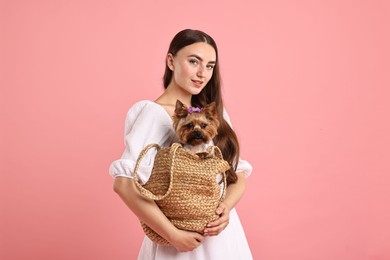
{"x": 192, "y": 76}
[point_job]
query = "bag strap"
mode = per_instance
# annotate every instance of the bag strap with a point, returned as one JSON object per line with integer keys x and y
{"x": 218, "y": 153}
{"x": 216, "y": 150}
{"x": 224, "y": 186}
{"x": 144, "y": 191}
{"x": 172, "y": 153}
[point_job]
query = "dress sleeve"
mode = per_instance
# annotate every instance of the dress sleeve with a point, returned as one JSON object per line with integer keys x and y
{"x": 242, "y": 166}
{"x": 146, "y": 123}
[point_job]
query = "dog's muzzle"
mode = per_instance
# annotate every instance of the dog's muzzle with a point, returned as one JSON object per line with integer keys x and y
{"x": 196, "y": 135}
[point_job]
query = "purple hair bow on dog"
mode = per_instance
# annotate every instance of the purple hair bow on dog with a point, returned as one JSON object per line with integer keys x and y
{"x": 193, "y": 110}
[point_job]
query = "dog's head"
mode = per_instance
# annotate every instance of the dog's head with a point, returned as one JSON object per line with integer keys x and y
{"x": 195, "y": 125}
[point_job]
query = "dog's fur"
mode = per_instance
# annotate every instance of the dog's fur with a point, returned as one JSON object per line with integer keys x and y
{"x": 196, "y": 130}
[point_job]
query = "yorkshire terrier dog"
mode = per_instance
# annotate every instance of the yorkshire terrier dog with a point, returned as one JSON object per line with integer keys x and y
{"x": 196, "y": 127}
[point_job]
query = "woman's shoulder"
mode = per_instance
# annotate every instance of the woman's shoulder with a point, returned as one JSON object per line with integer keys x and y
{"x": 149, "y": 109}
{"x": 147, "y": 116}
{"x": 144, "y": 105}
{"x": 140, "y": 104}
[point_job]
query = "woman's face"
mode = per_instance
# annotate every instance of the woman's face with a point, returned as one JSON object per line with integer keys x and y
{"x": 192, "y": 67}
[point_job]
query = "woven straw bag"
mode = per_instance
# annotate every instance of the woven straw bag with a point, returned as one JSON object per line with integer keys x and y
{"x": 184, "y": 187}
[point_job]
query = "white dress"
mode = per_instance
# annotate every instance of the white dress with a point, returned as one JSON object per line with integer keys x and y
{"x": 147, "y": 122}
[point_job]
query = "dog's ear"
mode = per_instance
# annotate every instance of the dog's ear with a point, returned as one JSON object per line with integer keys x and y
{"x": 211, "y": 109}
{"x": 180, "y": 110}
{"x": 211, "y": 113}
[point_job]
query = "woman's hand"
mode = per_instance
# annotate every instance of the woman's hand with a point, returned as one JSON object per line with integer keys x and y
{"x": 185, "y": 241}
{"x": 217, "y": 226}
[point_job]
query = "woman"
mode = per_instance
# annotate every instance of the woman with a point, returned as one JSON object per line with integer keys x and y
{"x": 191, "y": 76}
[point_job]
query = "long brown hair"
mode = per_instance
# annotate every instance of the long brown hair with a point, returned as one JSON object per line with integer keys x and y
{"x": 226, "y": 139}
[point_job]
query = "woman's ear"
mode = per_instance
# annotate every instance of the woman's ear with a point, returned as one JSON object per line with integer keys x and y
{"x": 170, "y": 61}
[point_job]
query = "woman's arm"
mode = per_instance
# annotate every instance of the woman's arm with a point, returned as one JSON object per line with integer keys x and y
{"x": 234, "y": 193}
{"x": 151, "y": 215}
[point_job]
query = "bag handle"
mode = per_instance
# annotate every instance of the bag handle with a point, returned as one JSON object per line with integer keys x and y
{"x": 172, "y": 153}
{"x": 145, "y": 192}
{"x": 224, "y": 186}
{"x": 218, "y": 153}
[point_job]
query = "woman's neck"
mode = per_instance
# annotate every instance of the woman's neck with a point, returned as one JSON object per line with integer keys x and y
{"x": 172, "y": 94}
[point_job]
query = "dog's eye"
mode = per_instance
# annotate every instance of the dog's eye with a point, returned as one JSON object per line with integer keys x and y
{"x": 190, "y": 125}
{"x": 203, "y": 126}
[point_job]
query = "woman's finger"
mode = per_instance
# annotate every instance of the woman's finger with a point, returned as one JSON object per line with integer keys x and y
{"x": 219, "y": 226}
{"x": 221, "y": 208}
{"x": 223, "y": 218}
{"x": 215, "y": 230}
{"x": 199, "y": 238}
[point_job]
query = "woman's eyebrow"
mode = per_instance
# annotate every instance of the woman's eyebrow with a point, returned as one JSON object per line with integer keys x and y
{"x": 199, "y": 58}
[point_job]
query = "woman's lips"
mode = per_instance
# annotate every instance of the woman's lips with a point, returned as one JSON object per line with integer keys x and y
{"x": 197, "y": 83}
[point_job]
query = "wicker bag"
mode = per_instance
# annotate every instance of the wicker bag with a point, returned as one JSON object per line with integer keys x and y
{"x": 184, "y": 187}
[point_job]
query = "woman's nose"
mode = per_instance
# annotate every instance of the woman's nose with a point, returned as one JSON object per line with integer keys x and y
{"x": 201, "y": 70}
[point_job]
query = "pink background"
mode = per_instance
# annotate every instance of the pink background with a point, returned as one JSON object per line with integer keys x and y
{"x": 306, "y": 84}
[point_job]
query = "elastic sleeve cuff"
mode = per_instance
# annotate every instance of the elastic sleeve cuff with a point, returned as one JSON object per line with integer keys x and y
{"x": 244, "y": 167}
{"x": 125, "y": 168}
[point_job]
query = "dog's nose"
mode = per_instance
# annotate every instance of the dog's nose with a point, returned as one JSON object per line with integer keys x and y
{"x": 197, "y": 135}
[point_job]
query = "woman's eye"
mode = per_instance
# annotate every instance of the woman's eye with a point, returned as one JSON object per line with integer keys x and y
{"x": 210, "y": 67}
{"x": 193, "y": 61}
